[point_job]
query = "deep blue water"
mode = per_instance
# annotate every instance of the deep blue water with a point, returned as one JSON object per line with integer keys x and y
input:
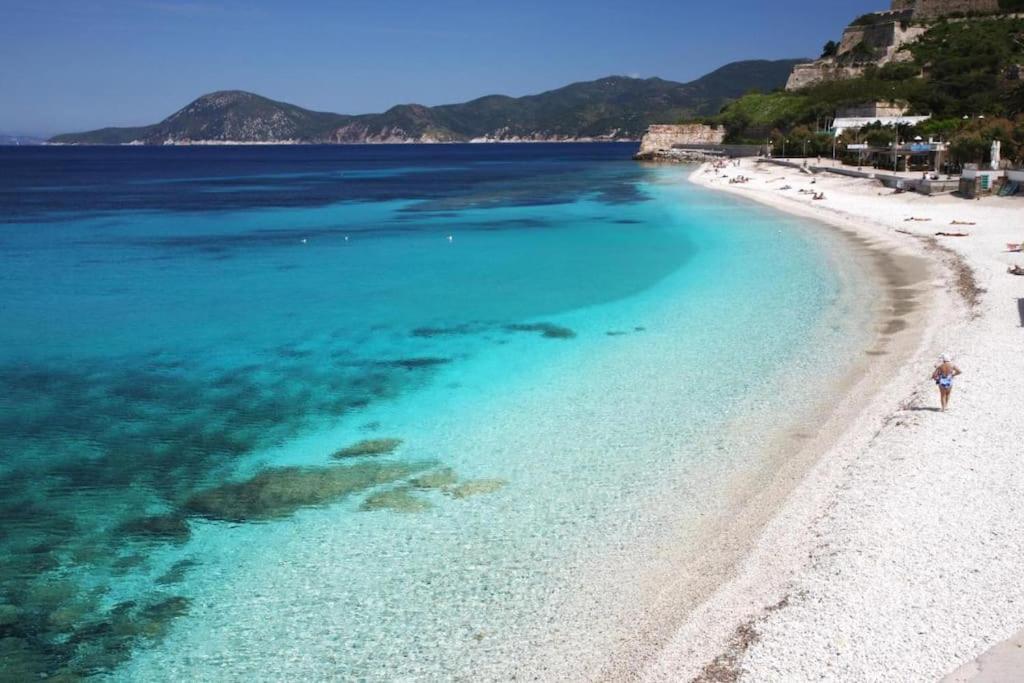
{"x": 187, "y": 335}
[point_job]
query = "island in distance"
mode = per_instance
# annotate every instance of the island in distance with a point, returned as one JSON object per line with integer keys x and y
{"x": 613, "y": 108}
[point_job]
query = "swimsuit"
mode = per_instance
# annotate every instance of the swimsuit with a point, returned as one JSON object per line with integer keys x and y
{"x": 945, "y": 381}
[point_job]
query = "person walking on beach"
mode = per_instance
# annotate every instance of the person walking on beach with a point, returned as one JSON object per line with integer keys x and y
{"x": 943, "y": 377}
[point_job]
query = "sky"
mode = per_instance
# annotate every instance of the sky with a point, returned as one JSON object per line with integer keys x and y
{"x": 72, "y": 65}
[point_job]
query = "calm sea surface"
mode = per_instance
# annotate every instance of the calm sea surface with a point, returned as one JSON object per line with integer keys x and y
{"x": 410, "y": 412}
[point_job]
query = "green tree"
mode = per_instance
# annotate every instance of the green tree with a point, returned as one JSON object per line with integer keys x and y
{"x": 968, "y": 147}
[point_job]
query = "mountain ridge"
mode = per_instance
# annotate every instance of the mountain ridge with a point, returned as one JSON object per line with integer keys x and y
{"x": 609, "y": 108}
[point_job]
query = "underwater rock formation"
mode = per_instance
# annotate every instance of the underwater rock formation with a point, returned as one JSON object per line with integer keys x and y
{"x": 368, "y": 447}
{"x": 9, "y": 614}
{"x": 438, "y": 479}
{"x": 475, "y": 487}
{"x": 414, "y": 363}
{"x": 398, "y": 500}
{"x": 280, "y": 492}
{"x": 168, "y": 527}
{"x": 176, "y": 573}
{"x": 548, "y": 330}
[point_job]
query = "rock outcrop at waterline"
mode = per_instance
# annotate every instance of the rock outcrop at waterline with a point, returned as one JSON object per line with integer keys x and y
{"x": 663, "y": 142}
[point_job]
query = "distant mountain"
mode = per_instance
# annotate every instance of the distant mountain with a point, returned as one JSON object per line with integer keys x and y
{"x": 613, "y": 108}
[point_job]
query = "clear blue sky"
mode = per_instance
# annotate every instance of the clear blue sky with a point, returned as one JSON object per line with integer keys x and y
{"x": 68, "y": 65}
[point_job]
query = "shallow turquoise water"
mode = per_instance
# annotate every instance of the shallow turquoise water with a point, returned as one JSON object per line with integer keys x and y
{"x": 572, "y": 349}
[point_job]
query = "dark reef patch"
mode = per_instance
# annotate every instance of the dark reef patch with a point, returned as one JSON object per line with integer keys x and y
{"x": 475, "y": 487}
{"x": 176, "y": 573}
{"x": 368, "y": 447}
{"x": 282, "y": 491}
{"x": 454, "y": 330}
{"x": 436, "y": 479}
{"x": 99, "y": 457}
{"x": 547, "y": 330}
{"x": 400, "y": 499}
{"x": 169, "y": 527}
{"x": 414, "y": 363}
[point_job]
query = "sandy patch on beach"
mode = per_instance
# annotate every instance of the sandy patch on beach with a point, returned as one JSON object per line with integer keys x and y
{"x": 898, "y": 556}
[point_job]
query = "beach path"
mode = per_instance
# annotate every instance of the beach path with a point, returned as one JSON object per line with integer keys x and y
{"x": 1004, "y": 662}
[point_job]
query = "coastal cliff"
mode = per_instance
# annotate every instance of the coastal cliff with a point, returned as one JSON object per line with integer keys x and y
{"x": 880, "y": 38}
{"x": 661, "y": 142}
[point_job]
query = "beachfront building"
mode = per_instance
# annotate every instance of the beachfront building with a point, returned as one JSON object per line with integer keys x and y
{"x": 898, "y": 155}
{"x": 889, "y": 114}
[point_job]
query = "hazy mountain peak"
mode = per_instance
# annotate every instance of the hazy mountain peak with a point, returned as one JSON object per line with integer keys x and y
{"x": 614, "y": 107}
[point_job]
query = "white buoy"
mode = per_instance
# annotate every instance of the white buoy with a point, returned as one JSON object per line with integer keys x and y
{"x": 303, "y": 240}
{"x": 451, "y": 238}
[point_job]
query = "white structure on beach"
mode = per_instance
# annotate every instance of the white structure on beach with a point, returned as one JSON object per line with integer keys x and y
{"x": 888, "y": 114}
{"x": 856, "y": 123}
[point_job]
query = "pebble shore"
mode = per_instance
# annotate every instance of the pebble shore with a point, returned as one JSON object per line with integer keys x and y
{"x": 898, "y": 556}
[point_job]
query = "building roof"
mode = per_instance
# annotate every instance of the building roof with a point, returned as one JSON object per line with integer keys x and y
{"x": 847, "y": 123}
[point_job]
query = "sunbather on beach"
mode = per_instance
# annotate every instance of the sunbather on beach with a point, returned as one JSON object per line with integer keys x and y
{"x": 1015, "y": 270}
{"x": 943, "y": 378}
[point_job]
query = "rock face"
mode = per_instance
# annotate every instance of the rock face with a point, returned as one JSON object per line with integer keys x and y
{"x": 805, "y": 75}
{"x": 878, "y": 39}
{"x": 661, "y": 140}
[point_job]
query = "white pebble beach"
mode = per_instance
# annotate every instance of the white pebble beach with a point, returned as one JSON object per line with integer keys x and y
{"x": 898, "y": 556}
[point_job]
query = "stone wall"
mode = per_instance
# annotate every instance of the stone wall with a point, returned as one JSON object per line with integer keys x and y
{"x": 880, "y": 37}
{"x": 661, "y": 138}
{"x": 933, "y": 9}
{"x": 816, "y": 72}
{"x": 877, "y": 37}
{"x": 879, "y": 43}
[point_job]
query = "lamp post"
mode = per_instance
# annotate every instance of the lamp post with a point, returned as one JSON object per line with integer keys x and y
{"x": 895, "y": 148}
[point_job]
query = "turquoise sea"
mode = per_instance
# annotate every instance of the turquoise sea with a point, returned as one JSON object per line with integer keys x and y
{"x": 382, "y": 413}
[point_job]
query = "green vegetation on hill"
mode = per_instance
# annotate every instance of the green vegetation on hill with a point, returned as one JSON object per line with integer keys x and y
{"x": 964, "y": 68}
{"x": 616, "y": 108}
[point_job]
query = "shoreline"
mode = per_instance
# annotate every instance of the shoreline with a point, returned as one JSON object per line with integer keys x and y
{"x": 767, "y": 620}
{"x": 757, "y": 495}
{"x": 367, "y": 143}
{"x": 528, "y": 446}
